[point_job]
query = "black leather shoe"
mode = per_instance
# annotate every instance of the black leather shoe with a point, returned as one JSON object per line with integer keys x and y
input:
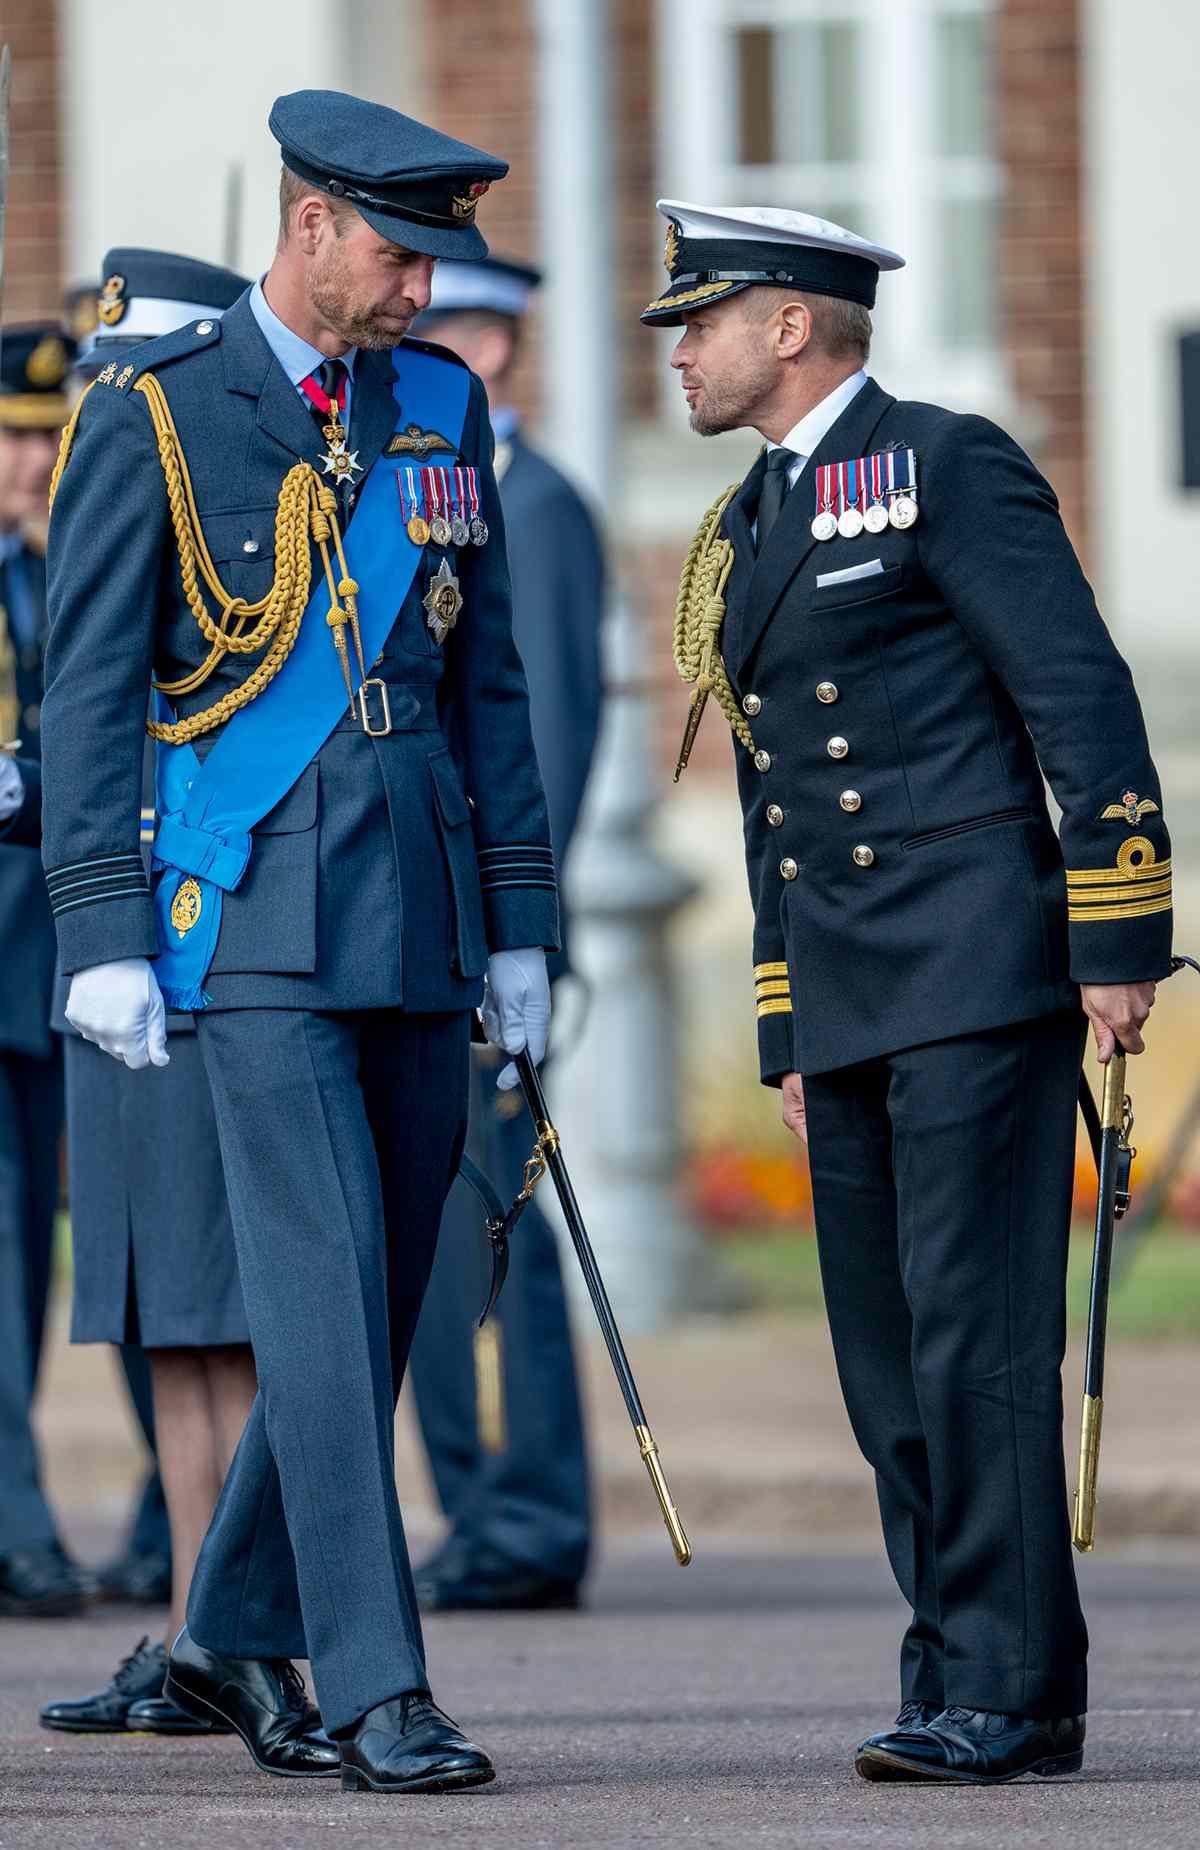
{"x": 262, "y": 1700}
{"x": 408, "y": 1745}
{"x": 912, "y": 1715}
{"x": 159, "y": 1715}
{"x": 140, "y": 1674}
{"x": 976, "y": 1747}
{"x": 41, "y": 1583}
{"x": 462, "y": 1579}
{"x": 136, "y": 1579}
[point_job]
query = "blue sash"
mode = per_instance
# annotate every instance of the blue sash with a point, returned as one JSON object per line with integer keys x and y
{"x": 208, "y": 810}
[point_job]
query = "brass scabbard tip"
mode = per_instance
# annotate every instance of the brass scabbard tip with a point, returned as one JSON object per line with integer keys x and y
{"x": 675, "y": 1529}
{"x": 1083, "y": 1527}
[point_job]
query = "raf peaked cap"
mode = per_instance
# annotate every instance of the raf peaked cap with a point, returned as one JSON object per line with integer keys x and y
{"x": 148, "y": 293}
{"x": 414, "y": 186}
{"x": 494, "y": 285}
{"x": 34, "y": 362}
{"x": 715, "y": 251}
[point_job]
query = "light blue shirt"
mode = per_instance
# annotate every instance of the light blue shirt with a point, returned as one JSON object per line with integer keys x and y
{"x": 297, "y": 358}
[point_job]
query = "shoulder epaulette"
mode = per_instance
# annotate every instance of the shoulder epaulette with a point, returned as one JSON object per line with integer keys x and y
{"x": 163, "y": 351}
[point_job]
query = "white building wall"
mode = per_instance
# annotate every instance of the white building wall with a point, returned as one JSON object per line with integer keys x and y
{"x": 163, "y": 102}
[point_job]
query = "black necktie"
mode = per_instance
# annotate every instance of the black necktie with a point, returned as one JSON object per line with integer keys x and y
{"x": 329, "y": 376}
{"x": 774, "y": 492}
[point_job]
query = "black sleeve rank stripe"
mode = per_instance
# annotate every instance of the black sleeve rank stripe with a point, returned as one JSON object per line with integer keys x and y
{"x": 95, "y": 864}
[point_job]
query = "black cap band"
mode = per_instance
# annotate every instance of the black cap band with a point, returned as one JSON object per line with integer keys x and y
{"x": 805, "y": 266}
{"x": 326, "y": 183}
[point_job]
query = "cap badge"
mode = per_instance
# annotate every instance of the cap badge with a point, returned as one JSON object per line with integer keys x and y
{"x": 463, "y": 205}
{"x": 671, "y": 252}
{"x": 112, "y": 303}
{"x": 1130, "y": 809}
{"x": 47, "y": 364}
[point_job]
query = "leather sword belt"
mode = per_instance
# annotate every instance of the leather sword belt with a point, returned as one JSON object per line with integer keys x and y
{"x": 382, "y": 706}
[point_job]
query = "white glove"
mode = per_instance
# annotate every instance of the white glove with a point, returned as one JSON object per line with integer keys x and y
{"x": 516, "y": 1007}
{"x": 119, "y": 1006}
{"x": 12, "y": 788}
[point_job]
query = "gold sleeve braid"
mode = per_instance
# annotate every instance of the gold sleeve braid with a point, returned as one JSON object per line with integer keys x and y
{"x": 306, "y": 509}
{"x": 699, "y": 614}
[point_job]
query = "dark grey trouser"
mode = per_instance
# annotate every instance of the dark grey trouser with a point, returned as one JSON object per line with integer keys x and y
{"x": 340, "y": 1135}
{"x": 942, "y": 1180}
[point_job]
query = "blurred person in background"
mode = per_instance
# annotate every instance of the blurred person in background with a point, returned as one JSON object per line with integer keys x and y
{"x": 38, "y": 1579}
{"x": 908, "y": 644}
{"x": 155, "y": 1264}
{"x": 500, "y": 1407}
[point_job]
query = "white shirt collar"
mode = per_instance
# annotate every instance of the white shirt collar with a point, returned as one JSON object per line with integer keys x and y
{"x": 297, "y": 358}
{"x": 804, "y": 437}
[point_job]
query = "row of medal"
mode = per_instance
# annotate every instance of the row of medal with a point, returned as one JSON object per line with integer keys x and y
{"x": 872, "y": 494}
{"x": 441, "y": 505}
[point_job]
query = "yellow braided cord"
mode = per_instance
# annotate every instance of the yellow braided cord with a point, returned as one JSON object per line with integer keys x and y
{"x": 700, "y": 612}
{"x": 68, "y": 438}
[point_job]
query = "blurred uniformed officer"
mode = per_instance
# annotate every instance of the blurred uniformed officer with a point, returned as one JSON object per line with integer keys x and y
{"x": 155, "y": 1267}
{"x": 908, "y": 643}
{"x": 291, "y": 521}
{"x": 499, "y": 1407}
{"x": 37, "y": 1577}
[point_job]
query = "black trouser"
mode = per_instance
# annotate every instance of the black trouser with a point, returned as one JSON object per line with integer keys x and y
{"x": 942, "y": 1180}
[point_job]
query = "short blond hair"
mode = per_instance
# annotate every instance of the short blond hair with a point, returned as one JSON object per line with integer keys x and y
{"x": 292, "y": 189}
{"x": 841, "y": 329}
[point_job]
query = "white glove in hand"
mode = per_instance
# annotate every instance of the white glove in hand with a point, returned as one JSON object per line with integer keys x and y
{"x": 12, "y": 788}
{"x": 119, "y": 1006}
{"x": 516, "y": 1007}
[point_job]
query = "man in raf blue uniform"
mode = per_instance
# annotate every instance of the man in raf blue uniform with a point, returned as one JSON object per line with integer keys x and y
{"x": 292, "y": 524}
{"x": 499, "y": 1407}
{"x": 37, "y": 1578}
{"x": 908, "y": 643}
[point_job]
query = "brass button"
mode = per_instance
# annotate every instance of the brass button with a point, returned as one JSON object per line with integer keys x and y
{"x": 850, "y": 800}
{"x": 762, "y": 761}
{"x": 788, "y": 868}
{"x": 774, "y": 815}
{"x": 826, "y": 693}
{"x": 752, "y": 706}
{"x": 838, "y": 748}
{"x": 864, "y": 856}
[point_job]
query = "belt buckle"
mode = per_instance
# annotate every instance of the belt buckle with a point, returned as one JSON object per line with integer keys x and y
{"x": 375, "y": 732}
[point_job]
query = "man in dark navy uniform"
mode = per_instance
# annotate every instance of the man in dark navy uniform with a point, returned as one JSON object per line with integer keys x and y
{"x": 292, "y": 524}
{"x": 500, "y": 1407}
{"x": 37, "y": 1577}
{"x": 908, "y": 643}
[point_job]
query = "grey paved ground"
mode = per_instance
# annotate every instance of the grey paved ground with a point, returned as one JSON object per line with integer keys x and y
{"x": 716, "y": 1707}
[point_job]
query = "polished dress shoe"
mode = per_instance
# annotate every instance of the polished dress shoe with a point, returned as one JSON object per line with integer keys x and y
{"x": 408, "y": 1745}
{"x": 41, "y": 1583}
{"x": 912, "y": 1715}
{"x": 136, "y": 1579}
{"x": 263, "y": 1700}
{"x": 464, "y": 1579}
{"x": 975, "y": 1747}
{"x": 159, "y": 1715}
{"x": 136, "y": 1676}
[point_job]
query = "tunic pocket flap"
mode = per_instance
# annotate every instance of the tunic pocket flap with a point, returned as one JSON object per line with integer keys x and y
{"x": 451, "y": 797}
{"x": 247, "y": 535}
{"x": 294, "y": 812}
{"x": 858, "y": 590}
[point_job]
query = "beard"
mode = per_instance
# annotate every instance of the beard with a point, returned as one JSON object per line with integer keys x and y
{"x": 358, "y": 323}
{"x": 730, "y": 401}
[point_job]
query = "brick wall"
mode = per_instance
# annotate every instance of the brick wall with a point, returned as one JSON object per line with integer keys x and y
{"x": 1039, "y": 82}
{"x": 33, "y": 238}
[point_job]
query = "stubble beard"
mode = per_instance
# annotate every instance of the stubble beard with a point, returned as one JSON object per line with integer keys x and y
{"x": 329, "y": 292}
{"x": 731, "y": 403}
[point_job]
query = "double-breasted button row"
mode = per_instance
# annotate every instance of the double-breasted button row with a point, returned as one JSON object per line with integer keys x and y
{"x": 752, "y": 706}
{"x": 788, "y": 868}
{"x": 837, "y": 747}
{"x": 827, "y": 693}
{"x": 774, "y": 815}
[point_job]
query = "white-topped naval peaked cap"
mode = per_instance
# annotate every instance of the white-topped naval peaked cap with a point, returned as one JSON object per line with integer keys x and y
{"x": 715, "y": 251}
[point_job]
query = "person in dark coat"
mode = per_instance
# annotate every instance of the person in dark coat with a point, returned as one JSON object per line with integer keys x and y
{"x": 155, "y": 1263}
{"x": 352, "y": 856}
{"x": 500, "y": 1408}
{"x": 908, "y": 644}
{"x": 37, "y": 1576}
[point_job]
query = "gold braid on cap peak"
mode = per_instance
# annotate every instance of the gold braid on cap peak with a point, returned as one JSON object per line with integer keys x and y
{"x": 306, "y": 509}
{"x": 699, "y": 614}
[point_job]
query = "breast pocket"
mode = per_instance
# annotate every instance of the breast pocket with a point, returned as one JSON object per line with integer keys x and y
{"x": 270, "y": 923}
{"x": 855, "y": 591}
{"x": 241, "y": 545}
{"x": 469, "y": 947}
{"x": 411, "y": 635}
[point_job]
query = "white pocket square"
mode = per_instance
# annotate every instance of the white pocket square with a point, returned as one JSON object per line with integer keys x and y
{"x": 869, "y": 570}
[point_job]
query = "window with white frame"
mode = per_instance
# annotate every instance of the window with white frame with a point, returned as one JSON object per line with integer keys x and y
{"x": 875, "y": 113}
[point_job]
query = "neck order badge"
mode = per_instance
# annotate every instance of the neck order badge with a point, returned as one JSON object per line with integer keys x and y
{"x": 208, "y": 813}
